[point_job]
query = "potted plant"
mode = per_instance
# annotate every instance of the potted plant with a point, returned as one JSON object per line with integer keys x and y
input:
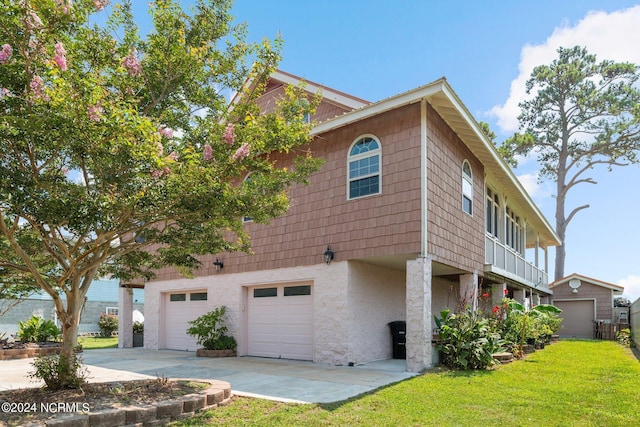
{"x": 210, "y": 331}
{"x": 138, "y": 334}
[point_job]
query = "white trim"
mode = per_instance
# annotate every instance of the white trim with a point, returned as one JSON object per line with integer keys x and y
{"x": 328, "y": 94}
{"x": 424, "y": 141}
{"x": 587, "y": 280}
{"x": 452, "y": 108}
{"x": 469, "y": 180}
{"x": 357, "y": 157}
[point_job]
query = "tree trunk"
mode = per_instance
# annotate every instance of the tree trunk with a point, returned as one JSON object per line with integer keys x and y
{"x": 70, "y": 318}
{"x": 561, "y": 224}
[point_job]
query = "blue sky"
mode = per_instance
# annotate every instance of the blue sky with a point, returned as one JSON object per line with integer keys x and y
{"x": 486, "y": 49}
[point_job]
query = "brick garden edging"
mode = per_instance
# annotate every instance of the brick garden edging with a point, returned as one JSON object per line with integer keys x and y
{"x": 160, "y": 413}
{"x": 27, "y": 352}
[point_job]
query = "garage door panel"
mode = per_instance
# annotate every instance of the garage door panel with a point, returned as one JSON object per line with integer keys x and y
{"x": 280, "y": 322}
{"x": 178, "y": 312}
{"x": 578, "y": 317}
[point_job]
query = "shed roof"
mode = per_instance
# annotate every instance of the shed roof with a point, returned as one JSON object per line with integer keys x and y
{"x": 616, "y": 288}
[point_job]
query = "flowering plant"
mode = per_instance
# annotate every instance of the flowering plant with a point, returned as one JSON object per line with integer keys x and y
{"x": 113, "y": 144}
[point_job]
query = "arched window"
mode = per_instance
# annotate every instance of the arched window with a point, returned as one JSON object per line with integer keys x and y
{"x": 364, "y": 167}
{"x": 467, "y": 188}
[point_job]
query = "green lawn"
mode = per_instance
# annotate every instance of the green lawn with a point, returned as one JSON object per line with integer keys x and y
{"x": 90, "y": 343}
{"x": 581, "y": 383}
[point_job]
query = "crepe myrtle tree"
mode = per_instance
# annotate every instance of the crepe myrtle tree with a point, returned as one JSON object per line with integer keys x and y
{"x": 120, "y": 154}
{"x": 582, "y": 114}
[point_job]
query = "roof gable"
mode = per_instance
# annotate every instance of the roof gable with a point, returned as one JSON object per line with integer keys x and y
{"x": 444, "y": 100}
{"x": 595, "y": 282}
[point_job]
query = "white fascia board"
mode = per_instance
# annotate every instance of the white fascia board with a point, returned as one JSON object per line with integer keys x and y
{"x": 377, "y": 108}
{"x": 616, "y": 288}
{"x": 327, "y": 93}
{"x": 498, "y": 160}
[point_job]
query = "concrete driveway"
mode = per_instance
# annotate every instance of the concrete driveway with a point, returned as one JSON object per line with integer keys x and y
{"x": 276, "y": 379}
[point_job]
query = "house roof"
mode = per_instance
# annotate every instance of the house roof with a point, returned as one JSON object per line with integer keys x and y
{"x": 328, "y": 94}
{"x": 616, "y": 288}
{"x": 446, "y": 102}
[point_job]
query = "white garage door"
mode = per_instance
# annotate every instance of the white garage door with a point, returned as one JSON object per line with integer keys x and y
{"x": 577, "y": 318}
{"x": 280, "y": 322}
{"x": 180, "y": 308}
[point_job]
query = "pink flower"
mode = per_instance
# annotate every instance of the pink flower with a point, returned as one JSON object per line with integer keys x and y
{"x": 32, "y": 21}
{"x": 65, "y": 5}
{"x": 241, "y": 152}
{"x": 95, "y": 112}
{"x": 160, "y": 148}
{"x": 61, "y": 58}
{"x": 130, "y": 62}
{"x": 229, "y": 134}
{"x": 4, "y": 92}
{"x": 37, "y": 88}
{"x": 5, "y": 53}
{"x": 496, "y": 309}
{"x": 156, "y": 173}
{"x": 65, "y": 170}
{"x": 506, "y": 291}
{"x": 208, "y": 152}
{"x": 100, "y": 4}
{"x": 173, "y": 156}
{"x": 165, "y": 131}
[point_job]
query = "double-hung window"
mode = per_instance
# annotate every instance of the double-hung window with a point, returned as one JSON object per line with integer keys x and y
{"x": 364, "y": 168}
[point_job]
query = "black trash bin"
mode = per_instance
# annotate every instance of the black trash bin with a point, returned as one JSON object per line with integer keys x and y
{"x": 399, "y": 339}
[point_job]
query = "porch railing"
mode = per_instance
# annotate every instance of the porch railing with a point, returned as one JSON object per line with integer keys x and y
{"x": 499, "y": 255}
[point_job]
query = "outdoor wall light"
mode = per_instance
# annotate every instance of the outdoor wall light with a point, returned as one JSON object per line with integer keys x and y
{"x": 328, "y": 255}
{"x": 218, "y": 264}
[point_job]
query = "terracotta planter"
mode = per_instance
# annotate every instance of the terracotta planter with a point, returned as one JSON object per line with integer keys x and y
{"x": 202, "y": 352}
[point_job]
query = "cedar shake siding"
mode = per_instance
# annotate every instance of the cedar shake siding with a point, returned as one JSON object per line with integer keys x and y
{"x": 603, "y": 297}
{"x": 320, "y": 214}
{"x": 455, "y": 238}
{"x": 325, "y": 111}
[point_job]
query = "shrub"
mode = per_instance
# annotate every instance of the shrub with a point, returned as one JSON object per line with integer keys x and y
{"x": 138, "y": 327}
{"x": 108, "y": 324}
{"x": 36, "y": 329}
{"x": 624, "y": 336}
{"x": 59, "y": 373}
{"x": 521, "y": 326}
{"x": 467, "y": 340}
{"x": 210, "y": 331}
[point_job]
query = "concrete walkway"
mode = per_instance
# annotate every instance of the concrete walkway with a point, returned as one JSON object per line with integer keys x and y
{"x": 283, "y": 380}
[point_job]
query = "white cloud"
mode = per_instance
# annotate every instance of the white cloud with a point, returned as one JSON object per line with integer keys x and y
{"x": 530, "y": 182}
{"x": 631, "y": 287}
{"x": 536, "y": 189}
{"x": 612, "y": 36}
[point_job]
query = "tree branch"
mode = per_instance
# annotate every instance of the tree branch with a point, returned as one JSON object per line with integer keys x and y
{"x": 573, "y": 213}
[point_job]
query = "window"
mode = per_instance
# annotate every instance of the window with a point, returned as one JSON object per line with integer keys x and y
{"x": 513, "y": 231}
{"x": 364, "y": 168}
{"x": 265, "y": 292}
{"x": 112, "y": 311}
{"x": 198, "y": 296}
{"x": 291, "y": 291}
{"x": 467, "y": 188}
{"x": 493, "y": 212}
{"x": 177, "y": 297}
